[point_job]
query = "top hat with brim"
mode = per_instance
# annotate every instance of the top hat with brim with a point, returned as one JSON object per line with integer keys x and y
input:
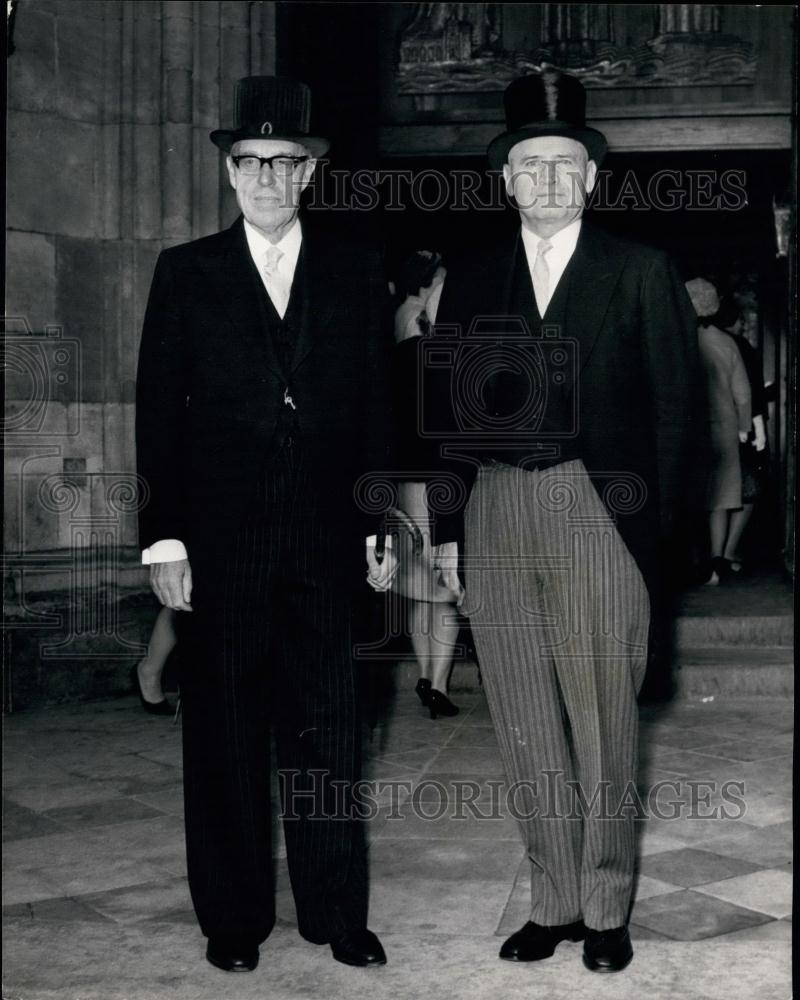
{"x": 271, "y": 107}
{"x": 544, "y": 104}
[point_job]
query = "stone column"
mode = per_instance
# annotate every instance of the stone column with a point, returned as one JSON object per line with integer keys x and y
{"x": 146, "y": 105}
{"x": 177, "y": 37}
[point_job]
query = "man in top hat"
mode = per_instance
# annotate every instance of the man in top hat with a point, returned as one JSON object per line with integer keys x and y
{"x": 261, "y": 399}
{"x": 564, "y": 358}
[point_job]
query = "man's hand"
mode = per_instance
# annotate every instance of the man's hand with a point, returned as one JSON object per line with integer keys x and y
{"x": 380, "y": 575}
{"x": 406, "y": 318}
{"x": 445, "y": 560}
{"x": 172, "y": 583}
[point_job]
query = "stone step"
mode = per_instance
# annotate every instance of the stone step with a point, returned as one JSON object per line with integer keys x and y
{"x": 692, "y": 632}
{"x": 724, "y": 671}
{"x": 736, "y": 656}
{"x": 740, "y": 671}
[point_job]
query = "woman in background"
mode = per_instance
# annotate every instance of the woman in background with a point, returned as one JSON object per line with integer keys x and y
{"x": 432, "y": 620}
{"x": 752, "y": 454}
{"x": 727, "y": 424}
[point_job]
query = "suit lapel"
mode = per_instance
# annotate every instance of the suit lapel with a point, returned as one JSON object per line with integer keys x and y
{"x": 497, "y": 287}
{"x": 230, "y": 272}
{"x": 321, "y": 291}
{"x": 593, "y": 274}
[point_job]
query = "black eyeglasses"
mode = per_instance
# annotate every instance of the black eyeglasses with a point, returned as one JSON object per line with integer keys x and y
{"x": 282, "y": 165}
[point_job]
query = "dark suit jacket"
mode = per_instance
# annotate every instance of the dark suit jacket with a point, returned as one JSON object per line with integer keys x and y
{"x": 210, "y": 387}
{"x": 637, "y": 372}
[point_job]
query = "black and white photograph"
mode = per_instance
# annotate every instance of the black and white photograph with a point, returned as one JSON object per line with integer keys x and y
{"x": 399, "y": 546}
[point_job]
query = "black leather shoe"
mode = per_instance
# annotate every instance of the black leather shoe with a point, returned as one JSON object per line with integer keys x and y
{"x": 423, "y": 690}
{"x": 607, "y": 951}
{"x": 536, "y": 941}
{"x": 162, "y": 707}
{"x": 358, "y": 947}
{"x": 440, "y": 704}
{"x": 232, "y": 957}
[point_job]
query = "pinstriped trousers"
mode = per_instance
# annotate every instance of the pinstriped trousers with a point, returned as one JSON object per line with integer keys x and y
{"x": 269, "y": 649}
{"x": 559, "y": 614}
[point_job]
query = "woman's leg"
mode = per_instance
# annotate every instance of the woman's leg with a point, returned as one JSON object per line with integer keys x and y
{"x": 419, "y": 630}
{"x": 718, "y": 529}
{"x": 738, "y": 523}
{"x": 443, "y": 635}
{"x": 412, "y": 499}
{"x": 162, "y": 642}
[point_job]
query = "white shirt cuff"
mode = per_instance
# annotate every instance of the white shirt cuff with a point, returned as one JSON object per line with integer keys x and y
{"x": 165, "y": 550}
{"x": 372, "y": 541}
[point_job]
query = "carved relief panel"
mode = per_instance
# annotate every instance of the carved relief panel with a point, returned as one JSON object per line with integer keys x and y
{"x": 461, "y": 47}
{"x": 450, "y": 61}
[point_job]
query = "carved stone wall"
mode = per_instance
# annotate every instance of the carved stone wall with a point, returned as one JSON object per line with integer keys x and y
{"x": 109, "y": 161}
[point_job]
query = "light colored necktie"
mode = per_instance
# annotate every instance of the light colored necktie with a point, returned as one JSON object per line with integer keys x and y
{"x": 271, "y": 259}
{"x": 276, "y": 285}
{"x": 541, "y": 276}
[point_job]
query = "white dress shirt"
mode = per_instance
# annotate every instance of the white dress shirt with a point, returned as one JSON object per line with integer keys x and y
{"x": 279, "y": 283}
{"x": 563, "y": 245}
{"x": 279, "y": 287}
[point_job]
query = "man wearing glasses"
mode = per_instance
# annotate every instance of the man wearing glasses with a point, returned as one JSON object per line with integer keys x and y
{"x": 261, "y": 399}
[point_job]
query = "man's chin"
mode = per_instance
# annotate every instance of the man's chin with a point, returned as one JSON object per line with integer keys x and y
{"x": 268, "y": 220}
{"x": 554, "y": 214}
{"x": 269, "y": 213}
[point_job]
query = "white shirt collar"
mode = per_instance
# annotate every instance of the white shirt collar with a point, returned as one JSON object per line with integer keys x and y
{"x": 564, "y": 241}
{"x": 289, "y": 245}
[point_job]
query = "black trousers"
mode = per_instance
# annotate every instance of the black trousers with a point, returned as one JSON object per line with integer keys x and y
{"x": 268, "y": 647}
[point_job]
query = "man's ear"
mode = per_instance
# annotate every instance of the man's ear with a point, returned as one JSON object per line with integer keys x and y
{"x": 231, "y": 171}
{"x": 591, "y": 176}
{"x": 508, "y": 178}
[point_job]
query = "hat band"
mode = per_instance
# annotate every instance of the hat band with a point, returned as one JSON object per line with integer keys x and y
{"x": 545, "y": 123}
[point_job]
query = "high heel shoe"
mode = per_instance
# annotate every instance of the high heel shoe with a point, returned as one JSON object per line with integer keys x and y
{"x": 423, "y": 689}
{"x": 162, "y": 707}
{"x": 440, "y": 704}
{"x": 722, "y": 567}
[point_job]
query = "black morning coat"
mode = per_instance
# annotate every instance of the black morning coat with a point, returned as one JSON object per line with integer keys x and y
{"x": 636, "y": 377}
{"x": 211, "y": 410}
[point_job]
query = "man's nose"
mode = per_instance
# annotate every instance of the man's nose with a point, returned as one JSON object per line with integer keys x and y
{"x": 550, "y": 173}
{"x": 266, "y": 176}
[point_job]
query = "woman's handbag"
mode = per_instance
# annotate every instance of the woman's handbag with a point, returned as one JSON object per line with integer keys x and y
{"x": 417, "y": 577}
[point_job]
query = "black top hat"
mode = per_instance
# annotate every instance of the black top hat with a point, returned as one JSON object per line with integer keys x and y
{"x": 547, "y": 103}
{"x": 271, "y": 107}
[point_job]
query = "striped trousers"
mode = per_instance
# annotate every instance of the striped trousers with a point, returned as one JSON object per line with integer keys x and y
{"x": 559, "y": 614}
{"x": 268, "y": 650}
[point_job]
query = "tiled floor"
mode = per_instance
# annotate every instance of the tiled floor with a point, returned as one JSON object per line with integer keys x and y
{"x": 97, "y": 907}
